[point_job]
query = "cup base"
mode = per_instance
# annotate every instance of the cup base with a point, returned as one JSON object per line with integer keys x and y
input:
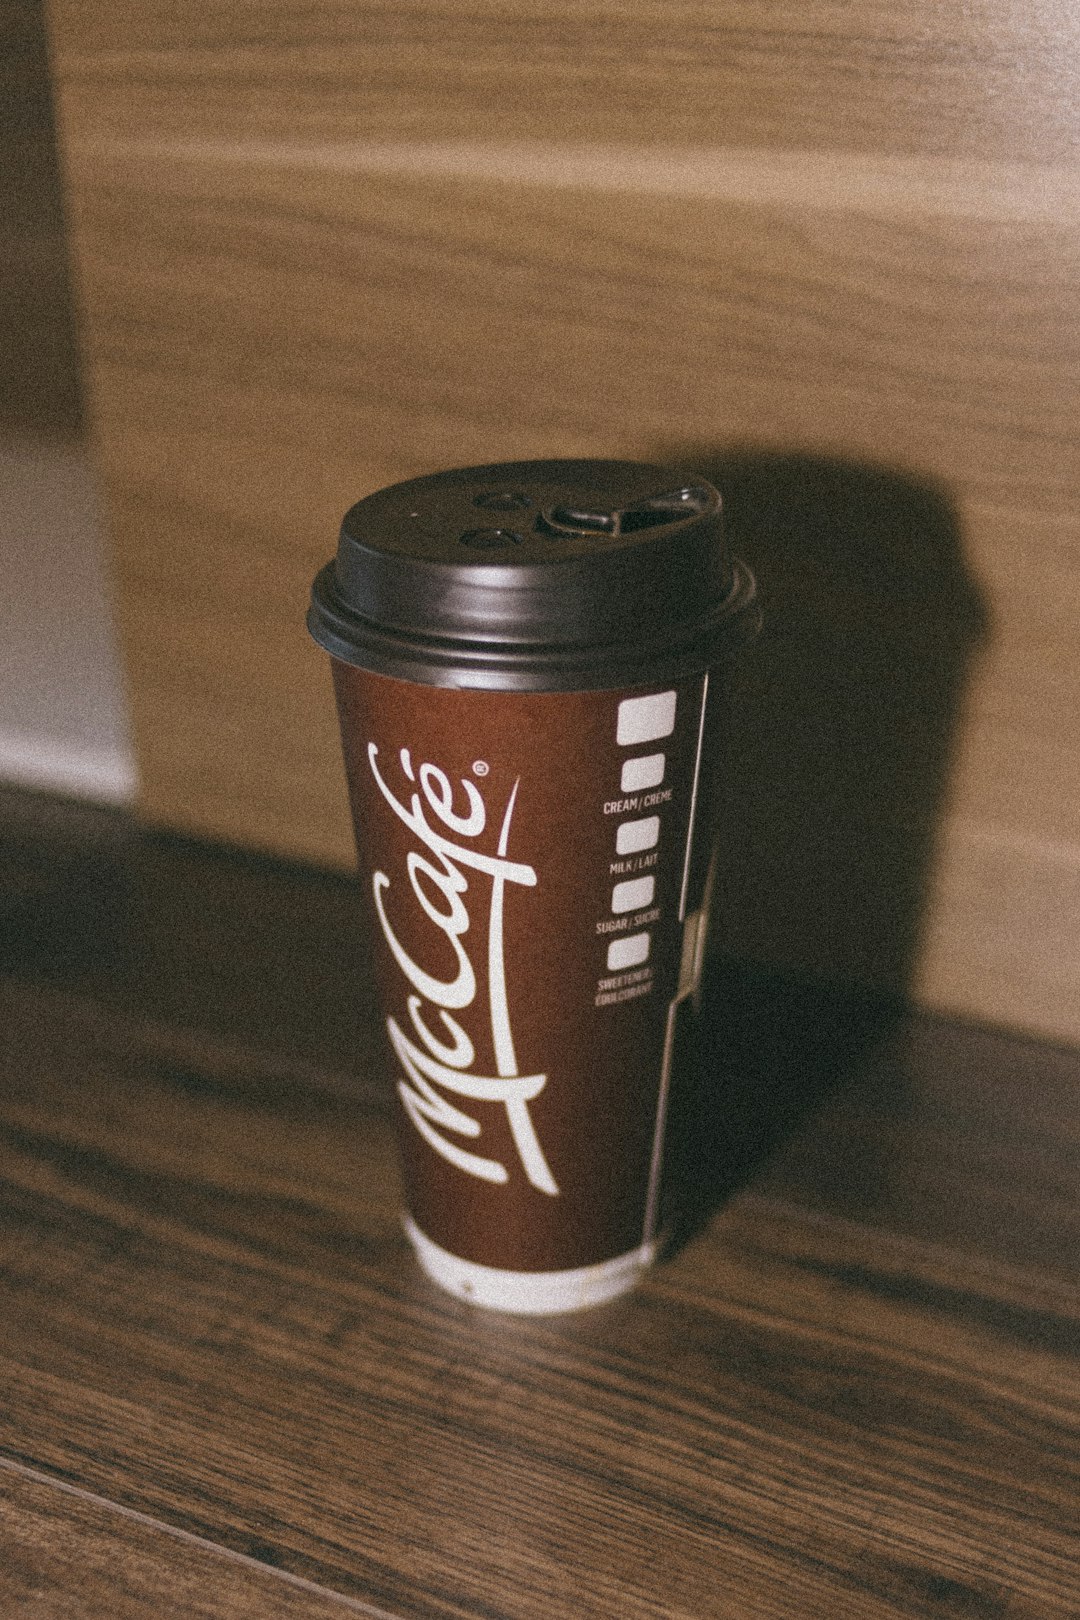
{"x": 530, "y": 1293}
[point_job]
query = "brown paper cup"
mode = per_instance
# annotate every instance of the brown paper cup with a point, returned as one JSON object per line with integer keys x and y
{"x": 533, "y": 867}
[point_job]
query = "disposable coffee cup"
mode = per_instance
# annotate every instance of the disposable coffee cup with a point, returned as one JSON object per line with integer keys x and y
{"x": 526, "y": 660}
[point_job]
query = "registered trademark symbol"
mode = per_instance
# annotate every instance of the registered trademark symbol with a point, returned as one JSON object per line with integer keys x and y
{"x": 480, "y": 767}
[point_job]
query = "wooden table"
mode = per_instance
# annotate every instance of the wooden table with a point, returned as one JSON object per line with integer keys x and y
{"x": 227, "y": 1391}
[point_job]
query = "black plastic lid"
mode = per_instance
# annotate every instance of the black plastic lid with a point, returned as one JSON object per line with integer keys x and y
{"x": 535, "y": 576}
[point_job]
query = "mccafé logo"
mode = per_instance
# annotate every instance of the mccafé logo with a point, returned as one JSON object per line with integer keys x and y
{"x": 442, "y": 1065}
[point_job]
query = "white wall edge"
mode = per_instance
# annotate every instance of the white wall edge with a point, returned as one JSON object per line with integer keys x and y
{"x": 103, "y": 775}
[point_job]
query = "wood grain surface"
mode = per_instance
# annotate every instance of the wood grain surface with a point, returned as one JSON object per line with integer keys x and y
{"x": 855, "y": 1390}
{"x": 981, "y": 81}
{"x": 271, "y": 340}
{"x": 69, "y": 1555}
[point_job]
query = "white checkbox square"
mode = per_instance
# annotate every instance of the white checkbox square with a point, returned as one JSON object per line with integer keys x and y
{"x": 645, "y": 719}
{"x": 628, "y": 952}
{"x": 632, "y": 836}
{"x": 646, "y": 771}
{"x": 633, "y": 894}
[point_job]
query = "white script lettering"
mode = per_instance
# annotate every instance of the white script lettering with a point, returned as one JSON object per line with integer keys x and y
{"x": 439, "y": 883}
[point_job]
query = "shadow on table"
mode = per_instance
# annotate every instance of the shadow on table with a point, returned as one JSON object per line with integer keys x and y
{"x": 837, "y": 742}
{"x": 772, "y": 1047}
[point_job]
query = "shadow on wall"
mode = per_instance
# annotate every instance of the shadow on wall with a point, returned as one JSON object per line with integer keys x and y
{"x": 39, "y": 377}
{"x": 838, "y": 739}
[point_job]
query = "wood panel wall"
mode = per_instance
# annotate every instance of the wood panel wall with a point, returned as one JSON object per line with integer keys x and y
{"x": 825, "y": 252}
